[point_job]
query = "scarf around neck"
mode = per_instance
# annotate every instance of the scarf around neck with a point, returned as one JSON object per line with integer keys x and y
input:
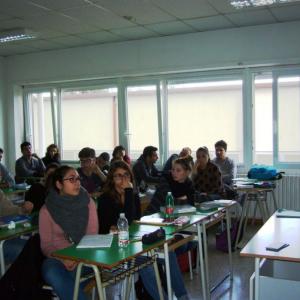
{"x": 71, "y": 213}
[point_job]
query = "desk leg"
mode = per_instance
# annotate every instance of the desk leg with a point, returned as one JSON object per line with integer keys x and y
{"x": 200, "y": 249}
{"x": 157, "y": 277}
{"x": 274, "y": 200}
{"x": 206, "y": 259}
{"x": 167, "y": 264}
{"x": 127, "y": 282}
{"x": 77, "y": 281}
{"x": 256, "y": 278}
{"x": 241, "y": 221}
{"x": 2, "y": 261}
{"x": 98, "y": 282}
{"x": 229, "y": 243}
{"x": 261, "y": 208}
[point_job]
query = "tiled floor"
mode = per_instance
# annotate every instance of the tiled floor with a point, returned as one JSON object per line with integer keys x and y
{"x": 218, "y": 267}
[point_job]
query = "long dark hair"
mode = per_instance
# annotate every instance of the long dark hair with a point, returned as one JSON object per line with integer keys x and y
{"x": 109, "y": 187}
{"x": 59, "y": 175}
{"x": 49, "y": 179}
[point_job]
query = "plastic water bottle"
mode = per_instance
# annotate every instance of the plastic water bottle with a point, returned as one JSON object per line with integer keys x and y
{"x": 123, "y": 233}
{"x": 169, "y": 212}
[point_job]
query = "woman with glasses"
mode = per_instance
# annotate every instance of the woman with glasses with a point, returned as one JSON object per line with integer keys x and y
{"x": 119, "y": 196}
{"x": 207, "y": 177}
{"x": 68, "y": 215}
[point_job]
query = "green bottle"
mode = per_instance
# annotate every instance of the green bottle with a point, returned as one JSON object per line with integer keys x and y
{"x": 169, "y": 212}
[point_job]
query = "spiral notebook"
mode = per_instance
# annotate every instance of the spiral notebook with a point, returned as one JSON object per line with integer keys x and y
{"x": 95, "y": 241}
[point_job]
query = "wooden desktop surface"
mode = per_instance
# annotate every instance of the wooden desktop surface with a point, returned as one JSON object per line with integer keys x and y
{"x": 285, "y": 230}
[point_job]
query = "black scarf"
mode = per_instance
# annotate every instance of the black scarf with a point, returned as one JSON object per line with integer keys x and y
{"x": 71, "y": 213}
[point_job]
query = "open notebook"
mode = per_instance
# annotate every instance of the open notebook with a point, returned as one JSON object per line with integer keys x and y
{"x": 96, "y": 241}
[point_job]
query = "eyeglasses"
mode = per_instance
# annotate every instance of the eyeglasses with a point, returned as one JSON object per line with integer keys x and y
{"x": 72, "y": 179}
{"x": 85, "y": 161}
{"x": 121, "y": 176}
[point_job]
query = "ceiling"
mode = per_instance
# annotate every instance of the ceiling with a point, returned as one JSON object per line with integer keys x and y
{"x": 73, "y": 23}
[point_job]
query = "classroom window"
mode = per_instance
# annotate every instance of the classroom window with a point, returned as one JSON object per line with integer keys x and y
{"x": 142, "y": 118}
{"x": 40, "y": 132}
{"x": 201, "y": 113}
{"x": 263, "y": 120}
{"x": 288, "y": 89}
{"x": 89, "y": 118}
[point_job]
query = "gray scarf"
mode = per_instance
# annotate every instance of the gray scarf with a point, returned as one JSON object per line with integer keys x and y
{"x": 71, "y": 213}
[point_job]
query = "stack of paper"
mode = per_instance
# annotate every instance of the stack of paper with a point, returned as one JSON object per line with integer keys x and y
{"x": 96, "y": 241}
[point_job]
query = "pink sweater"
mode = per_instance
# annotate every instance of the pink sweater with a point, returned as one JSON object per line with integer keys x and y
{"x": 52, "y": 236}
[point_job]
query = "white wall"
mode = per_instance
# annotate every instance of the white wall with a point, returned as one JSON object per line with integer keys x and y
{"x": 267, "y": 44}
{"x": 255, "y": 45}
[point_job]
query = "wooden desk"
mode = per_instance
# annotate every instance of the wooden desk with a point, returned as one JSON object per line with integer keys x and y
{"x": 7, "y": 234}
{"x": 108, "y": 258}
{"x": 285, "y": 230}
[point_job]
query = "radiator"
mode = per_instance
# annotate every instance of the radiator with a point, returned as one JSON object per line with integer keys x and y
{"x": 287, "y": 192}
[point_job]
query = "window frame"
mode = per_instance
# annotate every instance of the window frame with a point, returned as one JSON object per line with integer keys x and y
{"x": 276, "y": 74}
{"x": 161, "y": 81}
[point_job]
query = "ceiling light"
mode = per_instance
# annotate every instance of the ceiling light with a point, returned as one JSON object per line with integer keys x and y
{"x": 16, "y": 34}
{"x": 254, "y": 3}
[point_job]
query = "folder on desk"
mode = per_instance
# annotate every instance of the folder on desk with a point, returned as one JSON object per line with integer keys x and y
{"x": 96, "y": 241}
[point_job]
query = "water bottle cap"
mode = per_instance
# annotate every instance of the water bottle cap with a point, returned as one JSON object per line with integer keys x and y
{"x": 122, "y": 215}
{"x": 169, "y": 193}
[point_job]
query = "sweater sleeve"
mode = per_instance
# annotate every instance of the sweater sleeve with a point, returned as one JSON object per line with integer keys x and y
{"x": 46, "y": 232}
{"x": 158, "y": 198}
{"x": 132, "y": 206}
{"x": 216, "y": 182}
{"x": 93, "y": 226}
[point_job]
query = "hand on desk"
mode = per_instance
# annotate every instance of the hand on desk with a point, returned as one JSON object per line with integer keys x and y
{"x": 113, "y": 229}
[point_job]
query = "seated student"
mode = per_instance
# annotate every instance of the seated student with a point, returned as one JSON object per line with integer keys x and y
{"x": 13, "y": 247}
{"x": 28, "y": 165}
{"x": 144, "y": 170}
{"x": 6, "y": 179}
{"x": 119, "y": 153}
{"x": 186, "y": 152}
{"x": 207, "y": 177}
{"x": 91, "y": 177}
{"x": 52, "y": 155}
{"x": 225, "y": 164}
{"x": 119, "y": 196}
{"x": 39, "y": 190}
{"x": 68, "y": 215}
{"x": 178, "y": 183}
{"x": 103, "y": 162}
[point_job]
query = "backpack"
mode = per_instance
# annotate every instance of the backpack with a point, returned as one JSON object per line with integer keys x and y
{"x": 262, "y": 172}
{"x": 23, "y": 280}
